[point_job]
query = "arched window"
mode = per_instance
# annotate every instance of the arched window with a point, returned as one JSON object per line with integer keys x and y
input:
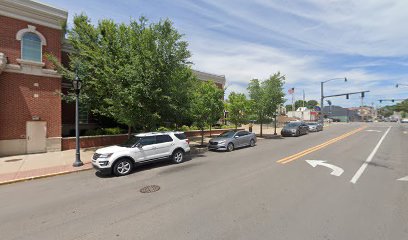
{"x": 31, "y": 47}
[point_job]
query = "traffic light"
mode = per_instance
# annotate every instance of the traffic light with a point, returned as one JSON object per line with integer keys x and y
{"x": 362, "y": 94}
{"x": 392, "y": 100}
{"x": 347, "y": 96}
{"x": 380, "y": 101}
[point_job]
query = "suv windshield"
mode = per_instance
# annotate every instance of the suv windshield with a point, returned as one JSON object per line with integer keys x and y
{"x": 130, "y": 142}
{"x": 228, "y": 134}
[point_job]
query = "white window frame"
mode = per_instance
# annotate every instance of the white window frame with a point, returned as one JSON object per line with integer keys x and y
{"x": 30, "y": 29}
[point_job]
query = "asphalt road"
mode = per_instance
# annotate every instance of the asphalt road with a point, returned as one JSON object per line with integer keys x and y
{"x": 265, "y": 192}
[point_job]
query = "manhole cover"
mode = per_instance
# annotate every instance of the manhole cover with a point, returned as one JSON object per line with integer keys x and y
{"x": 14, "y": 160}
{"x": 150, "y": 189}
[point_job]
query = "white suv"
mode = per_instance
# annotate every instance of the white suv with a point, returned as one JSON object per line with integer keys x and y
{"x": 140, "y": 149}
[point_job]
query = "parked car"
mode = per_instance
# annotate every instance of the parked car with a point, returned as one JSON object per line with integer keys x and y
{"x": 141, "y": 149}
{"x": 230, "y": 140}
{"x": 404, "y": 120}
{"x": 295, "y": 129}
{"x": 314, "y": 126}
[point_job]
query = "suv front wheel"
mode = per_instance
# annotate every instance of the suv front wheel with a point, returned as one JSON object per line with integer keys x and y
{"x": 122, "y": 167}
{"x": 178, "y": 156}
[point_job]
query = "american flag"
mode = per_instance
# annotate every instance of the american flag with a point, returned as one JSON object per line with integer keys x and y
{"x": 291, "y": 91}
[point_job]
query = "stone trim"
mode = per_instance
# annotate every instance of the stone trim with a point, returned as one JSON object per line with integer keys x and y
{"x": 35, "y": 12}
{"x": 3, "y": 62}
{"x": 31, "y": 29}
{"x": 32, "y": 68}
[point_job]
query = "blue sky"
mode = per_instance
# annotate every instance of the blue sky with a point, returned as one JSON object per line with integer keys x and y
{"x": 309, "y": 41}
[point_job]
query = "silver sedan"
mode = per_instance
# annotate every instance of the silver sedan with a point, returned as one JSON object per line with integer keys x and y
{"x": 231, "y": 140}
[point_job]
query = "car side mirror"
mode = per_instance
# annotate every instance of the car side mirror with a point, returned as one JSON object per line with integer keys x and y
{"x": 236, "y": 137}
{"x": 138, "y": 145}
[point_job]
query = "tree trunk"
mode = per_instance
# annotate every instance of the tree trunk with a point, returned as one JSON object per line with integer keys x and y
{"x": 210, "y": 130}
{"x": 129, "y": 131}
{"x": 261, "y": 129}
{"x": 260, "y": 120}
{"x": 202, "y": 137}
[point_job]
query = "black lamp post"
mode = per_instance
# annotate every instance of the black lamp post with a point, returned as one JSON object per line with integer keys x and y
{"x": 275, "y": 115}
{"x": 77, "y": 84}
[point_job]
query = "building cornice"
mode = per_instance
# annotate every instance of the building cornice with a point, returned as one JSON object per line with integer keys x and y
{"x": 34, "y": 12}
{"x": 203, "y": 76}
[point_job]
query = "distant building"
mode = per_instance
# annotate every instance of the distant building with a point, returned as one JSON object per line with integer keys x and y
{"x": 304, "y": 114}
{"x": 219, "y": 80}
{"x": 340, "y": 113}
{"x": 365, "y": 112}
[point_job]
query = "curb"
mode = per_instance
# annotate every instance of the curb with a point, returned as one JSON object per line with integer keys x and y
{"x": 42, "y": 176}
{"x": 194, "y": 152}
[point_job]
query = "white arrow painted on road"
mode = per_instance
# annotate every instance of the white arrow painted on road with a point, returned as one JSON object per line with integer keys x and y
{"x": 337, "y": 171}
{"x": 403, "y": 179}
{"x": 370, "y": 130}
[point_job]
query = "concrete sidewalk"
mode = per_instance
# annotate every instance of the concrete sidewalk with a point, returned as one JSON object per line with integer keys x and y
{"x": 26, "y": 167}
{"x": 32, "y": 166}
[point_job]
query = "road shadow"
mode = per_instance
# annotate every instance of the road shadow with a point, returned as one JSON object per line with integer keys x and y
{"x": 270, "y": 136}
{"x": 379, "y": 165}
{"x": 158, "y": 164}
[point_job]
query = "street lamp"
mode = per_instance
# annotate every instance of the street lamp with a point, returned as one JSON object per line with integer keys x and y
{"x": 77, "y": 84}
{"x": 322, "y": 96}
{"x": 401, "y": 84}
{"x": 275, "y": 114}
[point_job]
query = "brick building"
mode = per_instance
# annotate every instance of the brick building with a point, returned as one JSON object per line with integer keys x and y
{"x": 30, "y": 103}
{"x": 32, "y": 116}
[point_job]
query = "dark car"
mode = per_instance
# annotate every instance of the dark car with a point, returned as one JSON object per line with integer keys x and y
{"x": 294, "y": 129}
{"x": 231, "y": 140}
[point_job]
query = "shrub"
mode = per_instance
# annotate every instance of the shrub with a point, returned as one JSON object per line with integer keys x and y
{"x": 163, "y": 129}
{"x": 185, "y": 128}
{"x": 227, "y": 126}
{"x": 93, "y": 132}
{"x": 194, "y": 128}
{"x": 112, "y": 131}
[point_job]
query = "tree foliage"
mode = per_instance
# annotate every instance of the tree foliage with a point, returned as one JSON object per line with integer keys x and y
{"x": 402, "y": 106}
{"x": 265, "y": 96}
{"x": 137, "y": 73}
{"x": 311, "y": 104}
{"x": 238, "y": 108}
{"x": 207, "y": 105}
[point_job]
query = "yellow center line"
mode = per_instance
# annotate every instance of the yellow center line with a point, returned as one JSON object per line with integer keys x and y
{"x": 318, "y": 147}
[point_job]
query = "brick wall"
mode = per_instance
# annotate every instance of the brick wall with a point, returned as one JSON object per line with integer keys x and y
{"x": 197, "y": 133}
{"x": 11, "y": 47}
{"x": 98, "y": 141}
{"x": 93, "y": 141}
{"x": 18, "y": 104}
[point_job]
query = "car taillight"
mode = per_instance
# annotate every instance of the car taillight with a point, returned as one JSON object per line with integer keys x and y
{"x": 188, "y": 141}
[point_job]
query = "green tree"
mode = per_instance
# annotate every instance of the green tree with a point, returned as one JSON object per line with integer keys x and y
{"x": 266, "y": 96}
{"x": 274, "y": 94}
{"x": 137, "y": 73}
{"x": 311, "y": 104}
{"x": 207, "y": 105}
{"x": 256, "y": 103}
{"x": 238, "y": 108}
{"x": 402, "y": 106}
{"x": 300, "y": 103}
